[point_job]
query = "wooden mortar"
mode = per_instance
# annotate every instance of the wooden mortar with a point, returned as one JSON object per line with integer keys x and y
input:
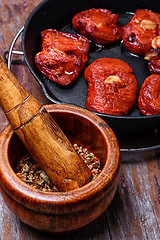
{"x": 41, "y": 135}
{"x": 62, "y": 212}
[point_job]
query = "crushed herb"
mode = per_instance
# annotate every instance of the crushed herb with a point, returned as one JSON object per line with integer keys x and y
{"x": 30, "y": 172}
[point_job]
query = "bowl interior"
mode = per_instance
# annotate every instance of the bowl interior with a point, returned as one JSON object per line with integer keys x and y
{"x": 78, "y": 129}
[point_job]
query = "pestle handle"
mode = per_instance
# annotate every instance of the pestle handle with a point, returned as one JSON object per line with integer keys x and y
{"x": 41, "y": 135}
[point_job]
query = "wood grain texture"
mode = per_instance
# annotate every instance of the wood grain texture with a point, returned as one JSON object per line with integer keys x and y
{"x": 41, "y": 135}
{"x": 135, "y": 210}
{"x": 62, "y": 212}
{"x": 12, "y": 93}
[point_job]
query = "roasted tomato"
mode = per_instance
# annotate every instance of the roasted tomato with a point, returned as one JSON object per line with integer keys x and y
{"x": 149, "y": 96}
{"x": 63, "y": 56}
{"x": 99, "y": 25}
{"x": 112, "y": 86}
{"x": 140, "y": 31}
{"x": 153, "y": 56}
{"x": 154, "y": 65}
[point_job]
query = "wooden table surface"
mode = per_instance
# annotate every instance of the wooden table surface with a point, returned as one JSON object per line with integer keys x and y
{"x": 135, "y": 210}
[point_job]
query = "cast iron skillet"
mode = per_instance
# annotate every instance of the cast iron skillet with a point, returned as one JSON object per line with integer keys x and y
{"x": 58, "y": 14}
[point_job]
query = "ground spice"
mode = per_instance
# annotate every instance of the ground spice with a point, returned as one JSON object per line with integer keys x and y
{"x": 30, "y": 172}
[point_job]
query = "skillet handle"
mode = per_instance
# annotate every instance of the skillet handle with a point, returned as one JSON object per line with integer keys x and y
{"x": 142, "y": 149}
{"x": 11, "y": 51}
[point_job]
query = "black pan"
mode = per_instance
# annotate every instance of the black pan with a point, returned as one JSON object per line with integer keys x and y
{"x": 58, "y": 14}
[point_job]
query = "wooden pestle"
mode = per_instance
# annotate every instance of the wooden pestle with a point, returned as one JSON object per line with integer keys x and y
{"x": 41, "y": 135}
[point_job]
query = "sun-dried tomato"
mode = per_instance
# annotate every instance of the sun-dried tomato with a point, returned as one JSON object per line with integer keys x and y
{"x": 63, "y": 56}
{"x": 99, "y": 25}
{"x": 149, "y": 96}
{"x": 140, "y": 31}
{"x": 112, "y": 86}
